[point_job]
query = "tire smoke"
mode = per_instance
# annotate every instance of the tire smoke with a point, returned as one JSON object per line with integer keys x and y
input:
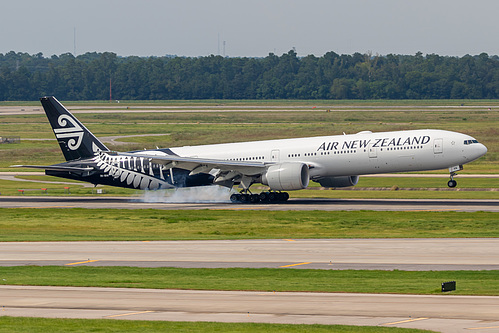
{"x": 201, "y": 194}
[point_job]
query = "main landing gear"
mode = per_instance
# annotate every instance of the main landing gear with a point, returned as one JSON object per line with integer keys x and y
{"x": 266, "y": 197}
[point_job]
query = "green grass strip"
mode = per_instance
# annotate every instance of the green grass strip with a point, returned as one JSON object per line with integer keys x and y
{"x": 399, "y": 194}
{"x": 56, "y": 224}
{"x": 261, "y": 279}
{"x": 24, "y": 324}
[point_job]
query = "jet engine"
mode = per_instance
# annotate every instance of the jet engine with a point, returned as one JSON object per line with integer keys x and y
{"x": 344, "y": 181}
{"x": 286, "y": 177}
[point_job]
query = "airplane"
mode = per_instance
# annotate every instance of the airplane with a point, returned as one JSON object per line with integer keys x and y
{"x": 283, "y": 165}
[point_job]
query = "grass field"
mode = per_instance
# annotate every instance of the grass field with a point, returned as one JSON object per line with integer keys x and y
{"x": 296, "y": 117}
{"x": 402, "y": 194}
{"x": 57, "y": 224}
{"x": 262, "y": 279}
{"x": 30, "y": 325}
{"x": 381, "y": 189}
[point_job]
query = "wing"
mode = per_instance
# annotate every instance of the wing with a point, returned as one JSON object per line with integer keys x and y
{"x": 223, "y": 170}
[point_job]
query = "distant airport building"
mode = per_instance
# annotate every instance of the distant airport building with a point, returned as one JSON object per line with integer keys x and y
{"x": 10, "y": 139}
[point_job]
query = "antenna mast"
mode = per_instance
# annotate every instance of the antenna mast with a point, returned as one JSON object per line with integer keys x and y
{"x": 74, "y": 41}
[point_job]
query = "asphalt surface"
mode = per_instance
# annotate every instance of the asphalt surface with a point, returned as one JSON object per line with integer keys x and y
{"x": 404, "y": 254}
{"x": 445, "y": 313}
{"x": 292, "y": 204}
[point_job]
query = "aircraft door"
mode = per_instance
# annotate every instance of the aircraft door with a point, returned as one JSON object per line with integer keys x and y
{"x": 372, "y": 151}
{"x": 438, "y": 146}
{"x": 274, "y": 155}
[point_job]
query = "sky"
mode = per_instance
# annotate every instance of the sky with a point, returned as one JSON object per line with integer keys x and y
{"x": 251, "y": 28}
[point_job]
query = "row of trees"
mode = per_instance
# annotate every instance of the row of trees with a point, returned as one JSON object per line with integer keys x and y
{"x": 332, "y": 76}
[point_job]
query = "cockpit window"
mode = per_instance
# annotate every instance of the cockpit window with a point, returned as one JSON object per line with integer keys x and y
{"x": 469, "y": 142}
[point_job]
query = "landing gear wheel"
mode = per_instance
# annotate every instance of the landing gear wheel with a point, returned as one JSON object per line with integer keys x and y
{"x": 254, "y": 198}
{"x": 264, "y": 196}
{"x": 245, "y": 198}
{"x": 280, "y": 196}
{"x": 452, "y": 183}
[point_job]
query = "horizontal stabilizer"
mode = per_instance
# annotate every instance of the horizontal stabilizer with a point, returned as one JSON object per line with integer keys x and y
{"x": 54, "y": 168}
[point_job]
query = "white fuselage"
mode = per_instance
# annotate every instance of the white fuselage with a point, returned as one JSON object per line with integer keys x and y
{"x": 355, "y": 154}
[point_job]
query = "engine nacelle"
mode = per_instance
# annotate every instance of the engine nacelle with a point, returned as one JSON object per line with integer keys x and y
{"x": 344, "y": 181}
{"x": 287, "y": 177}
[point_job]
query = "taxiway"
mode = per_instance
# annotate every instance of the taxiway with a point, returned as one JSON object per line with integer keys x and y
{"x": 435, "y": 312}
{"x": 386, "y": 254}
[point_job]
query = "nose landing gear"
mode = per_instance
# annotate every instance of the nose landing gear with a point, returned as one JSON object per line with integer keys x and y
{"x": 452, "y": 182}
{"x": 453, "y": 171}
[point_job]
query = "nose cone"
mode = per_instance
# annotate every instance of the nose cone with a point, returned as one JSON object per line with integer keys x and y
{"x": 478, "y": 151}
{"x": 482, "y": 150}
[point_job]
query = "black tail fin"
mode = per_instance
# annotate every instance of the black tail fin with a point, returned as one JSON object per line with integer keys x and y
{"x": 75, "y": 140}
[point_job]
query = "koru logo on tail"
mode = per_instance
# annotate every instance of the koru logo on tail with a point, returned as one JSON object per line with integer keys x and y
{"x": 70, "y": 129}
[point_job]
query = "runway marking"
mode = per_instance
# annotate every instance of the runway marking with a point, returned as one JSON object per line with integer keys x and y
{"x": 405, "y": 321}
{"x": 482, "y": 328}
{"x": 290, "y": 240}
{"x": 81, "y": 262}
{"x": 432, "y": 210}
{"x": 127, "y": 314}
{"x": 47, "y": 207}
{"x": 302, "y": 263}
{"x": 239, "y": 208}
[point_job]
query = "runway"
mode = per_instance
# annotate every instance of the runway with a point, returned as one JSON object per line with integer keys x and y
{"x": 435, "y": 312}
{"x": 384, "y": 254}
{"x": 124, "y": 108}
{"x": 293, "y": 204}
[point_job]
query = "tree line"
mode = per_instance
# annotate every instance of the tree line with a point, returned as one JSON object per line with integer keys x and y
{"x": 332, "y": 76}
